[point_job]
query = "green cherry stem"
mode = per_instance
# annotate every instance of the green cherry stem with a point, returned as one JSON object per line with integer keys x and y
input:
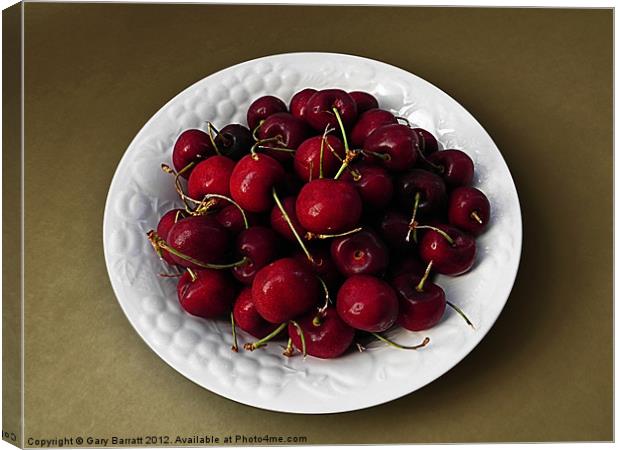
{"x": 289, "y": 349}
{"x": 235, "y": 346}
{"x": 405, "y": 120}
{"x": 461, "y": 313}
{"x": 192, "y": 274}
{"x": 300, "y": 332}
{"x": 342, "y": 130}
{"x": 354, "y": 172}
{"x": 412, "y": 222}
{"x": 251, "y": 346}
{"x": 317, "y": 319}
{"x": 255, "y": 130}
{"x": 402, "y": 347}
{"x": 309, "y": 235}
{"x": 443, "y": 233}
{"x": 287, "y": 219}
{"x": 210, "y": 129}
{"x": 427, "y": 272}
{"x": 474, "y": 215}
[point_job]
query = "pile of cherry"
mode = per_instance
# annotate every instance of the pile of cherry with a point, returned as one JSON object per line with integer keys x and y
{"x": 322, "y": 222}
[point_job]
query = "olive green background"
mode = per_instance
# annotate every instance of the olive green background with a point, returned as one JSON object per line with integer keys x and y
{"x": 540, "y": 82}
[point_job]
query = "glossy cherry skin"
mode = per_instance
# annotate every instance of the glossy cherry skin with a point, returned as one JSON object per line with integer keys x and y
{"x": 211, "y": 176}
{"x": 464, "y": 205}
{"x": 327, "y": 206}
{"x": 210, "y": 296}
{"x": 397, "y": 141}
{"x": 298, "y": 103}
{"x": 290, "y": 130}
{"x": 262, "y": 108}
{"x": 330, "y": 338}
{"x": 280, "y": 225}
{"x": 247, "y": 317}
{"x": 163, "y": 228}
{"x": 408, "y": 263}
{"x": 199, "y": 237}
{"x": 230, "y": 218}
{"x": 361, "y": 253}
{"x": 448, "y": 259}
{"x": 307, "y": 160}
{"x": 319, "y": 109}
{"x": 418, "y": 310}
{"x": 367, "y": 303}
{"x": 455, "y": 167}
{"x": 191, "y": 146}
{"x": 364, "y": 101}
{"x": 260, "y": 246}
{"x": 393, "y": 228}
{"x": 285, "y": 289}
{"x": 427, "y": 142}
{"x": 234, "y": 141}
{"x": 323, "y": 265}
{"x": 431, "y": 187}
{"x": 369, "y": 122}
{"x": 252, "y": 181}
{"x": 375, "y": 186}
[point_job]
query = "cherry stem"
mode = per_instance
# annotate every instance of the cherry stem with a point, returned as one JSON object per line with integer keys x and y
{"x": 192, "y": 274}
{"x": 342, "y": 130}
{"x": 382, "y": 156}
{"x": 251, "y": 346}
{"x": 404, "y": 119}
{"x": 474, "y": 215}
{"x": 309, "y": 235}
{"x": 420, "y": 286}
{"x": 289, "y": 349}
{"x": 461, "y": 313}
{"x": 246, "y": 224}
{"x": 287, "y": 219}
{"x": 360, "y": 347}
{"x": 177, "y": 183}
{"x": 210, "y": 129}
{"x": 170, "y": 275}
{"x": 278, "y": 149}
{"x": 323, "y": 141}
{"x": 158, "y": 243}
{"x": 354, "y": 172}
{"x": 412, "y": 222}
{"x": 350, "y": 155}
{"x": 259, "y": 144}
{"x": 177, "y": 215}
{"x": 437, "y": 230}
{"x": 403, "y": 347}
{"x": 255, "y": 130}
{"x": 300, "y": 332}
{"x": 317, "y": 319}
{"x": 235, "y": 346}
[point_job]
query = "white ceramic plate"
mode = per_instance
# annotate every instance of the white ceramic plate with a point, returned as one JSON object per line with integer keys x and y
{"x": 200, "y": 350}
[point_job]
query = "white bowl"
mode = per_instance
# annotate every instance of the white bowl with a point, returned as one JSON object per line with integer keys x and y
{"x": 200, "y": 349}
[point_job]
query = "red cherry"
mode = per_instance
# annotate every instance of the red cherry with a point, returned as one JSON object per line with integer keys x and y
{"x": 428, "y": 143}
{"x": 247, "y": 317}
{"x": 163, "y": 228}
{"x": 398, "y": 142}
{"x": 289, "y": 130}
{"x": 419, "y": 308}
{"x": 327, "y": 337}
{"x": 210, "y": 296}
{"x": 263, "y": 107}
{"x": 327, "y": 206}
{"x": 307, "y": 161}
{"x": 299, "y": 101}
{"x": 323, "y": 265}
{"x": 231, "y": 219}
{"x": 375, "y": 185}
{"x": 409, "y": 263}
{"x": 454, "y": 166}
{"x": 199, "y": 237}
{"x": 449, "y": 258}
{"x": 191, "y": 146}
{"x": 369, "y": 122}
{"x": 252, "y": 180}
{"x": 393, "y": 228}
{"x": 367, "y": 303}
{"x": 364, "y": 101}
{"x": 361, "y": 253}
{"x": 284, "y": 290}
{"x": 211, "y": 176}
{"x": 469, "y": 210}
{"x": 234, "y": 141}
{"x": 431, "y": 188}
{"x": 260, "y": 246}
{"x": 280, "y": 225}
{"x": 319, "y": 109}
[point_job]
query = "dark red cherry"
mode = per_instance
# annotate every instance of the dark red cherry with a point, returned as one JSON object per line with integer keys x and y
{"x": 393, "y": 228}
{"x": 289, "y": 130}
{"x": 367, "y": 303}
{"x": 199, "y": 237}
{"x": 163, "y": 228}
{"x": 234, "y": 141}
{"x": 323, "y": 265}
{"x": 453, "y": 256}
{"x": 469, "y": 210}
{"x": 361, "y": 253}
{"x": 427, "y": 142}
{"x": 307, "y": 161}
{"x": 298, "y": 103}
{"x": 375, "y": 185}
{"x": 211, "y": 176}
{"x": 364, "y": 101}
{"x": 231, "y": 219}
{"x": 247, "y": 317}
{"x": 325, "y": 337}
{"x": 284, "y": 290}
{"x": 260, "y": 246}
{"x": 327, "y": 206}
{"x": 263, "y": 107}
{"x": 280, "y": 225}
{"x": 420, "y": 307}
{"x": 398, "y": 142}
{"x": 191, "y": 146}
{"x": 319, "y": 109}
{"x": 454, "y": 166}
{"x": 431, "y": 188}
{"x": 409, "y": 263}
{"x": 252, "y": 181}
{"x": 210, "y": 296}
{"x": 369, "y": 122}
